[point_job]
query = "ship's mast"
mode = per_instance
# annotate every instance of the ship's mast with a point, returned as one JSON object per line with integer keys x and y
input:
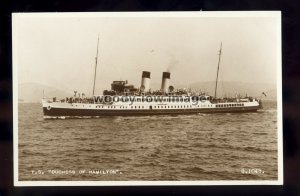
{"x": 96, "y": 59}
{"x": 220, "y": 52}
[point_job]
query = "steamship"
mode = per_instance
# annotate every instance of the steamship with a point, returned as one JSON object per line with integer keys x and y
{"x": 125, "y": 99}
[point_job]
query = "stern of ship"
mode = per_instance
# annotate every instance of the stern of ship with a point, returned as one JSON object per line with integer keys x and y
{"x": 260, "y": 104}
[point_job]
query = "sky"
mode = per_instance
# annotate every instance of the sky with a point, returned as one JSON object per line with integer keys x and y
{"x": 59, "y": 50}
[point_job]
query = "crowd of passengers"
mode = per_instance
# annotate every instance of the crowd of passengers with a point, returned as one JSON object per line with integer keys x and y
{"x": 80, "y": 98}
{"x": 91, "y": 100}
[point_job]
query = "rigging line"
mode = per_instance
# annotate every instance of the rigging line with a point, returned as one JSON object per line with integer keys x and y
{"x": 223, "y": 89}
{"x": 220, "y": 52}
{"x": 96, "y": 62}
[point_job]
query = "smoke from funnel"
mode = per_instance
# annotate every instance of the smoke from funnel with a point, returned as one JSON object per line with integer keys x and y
{"x": 173, "y": 63}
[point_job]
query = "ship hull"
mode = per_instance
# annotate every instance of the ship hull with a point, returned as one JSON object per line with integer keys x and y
{"x": 73, "y": 112}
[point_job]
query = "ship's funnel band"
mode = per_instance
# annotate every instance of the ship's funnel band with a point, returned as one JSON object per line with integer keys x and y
{"x": 145, "y": 84}
{"x": 146, "y": 74}
{"x": 166, "y": 75}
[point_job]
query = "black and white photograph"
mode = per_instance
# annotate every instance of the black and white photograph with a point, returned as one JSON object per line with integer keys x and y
{"x": 147, "y": 98}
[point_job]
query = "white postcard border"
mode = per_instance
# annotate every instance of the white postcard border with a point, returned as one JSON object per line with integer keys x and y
{"x": 224, "y": 14}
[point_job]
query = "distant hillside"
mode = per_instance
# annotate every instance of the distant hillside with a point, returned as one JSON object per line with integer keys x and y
{"x": 33, "y": 92}
{"x": 233, "y": 88}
